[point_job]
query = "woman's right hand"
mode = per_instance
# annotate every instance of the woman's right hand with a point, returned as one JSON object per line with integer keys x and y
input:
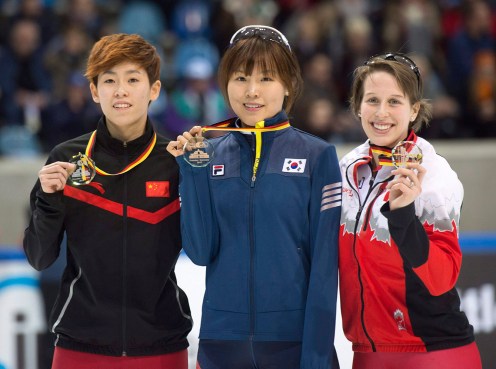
{"x": 176, "y": 147}
{"x": 53, "y": 177}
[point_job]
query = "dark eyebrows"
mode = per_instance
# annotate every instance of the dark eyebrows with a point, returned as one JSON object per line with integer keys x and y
{"x": 131, "y": 71}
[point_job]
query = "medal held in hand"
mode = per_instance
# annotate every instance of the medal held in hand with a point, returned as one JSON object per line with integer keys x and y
{"x": 85, "y": 170}
{"x": 198, "y": 151}
{"x": 406, "y": 152}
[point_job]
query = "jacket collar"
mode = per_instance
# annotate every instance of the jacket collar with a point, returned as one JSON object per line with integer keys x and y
{"x": 276, "y": 119}
{"x": 105, "y": 140}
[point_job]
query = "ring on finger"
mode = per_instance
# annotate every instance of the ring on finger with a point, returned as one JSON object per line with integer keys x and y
{"x": 412, "y": 184}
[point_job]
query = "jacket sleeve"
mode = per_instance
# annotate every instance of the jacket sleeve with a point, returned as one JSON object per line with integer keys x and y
{"x": 199, "y": 227}
{"x": 43, "y": 236}
{"x": 320, "y": 314}
{"x": 426, "y": 231}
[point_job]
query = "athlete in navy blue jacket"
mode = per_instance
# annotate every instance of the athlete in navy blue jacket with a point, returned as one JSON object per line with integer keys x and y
{"x": 263, "y": 217}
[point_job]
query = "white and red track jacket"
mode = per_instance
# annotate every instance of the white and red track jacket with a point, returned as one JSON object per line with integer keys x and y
{"x": 398, "y": 268}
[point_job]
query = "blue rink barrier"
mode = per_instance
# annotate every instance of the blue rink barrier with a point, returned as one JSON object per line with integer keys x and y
{"x": 478, "y": 242}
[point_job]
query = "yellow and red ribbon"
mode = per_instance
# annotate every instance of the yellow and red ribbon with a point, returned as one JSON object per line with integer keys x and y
{"x": 128, "y": 167}
{"x": 384, "y": 155}
{"x": 258, "y": 130}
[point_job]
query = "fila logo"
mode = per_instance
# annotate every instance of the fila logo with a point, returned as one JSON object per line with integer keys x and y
{"x": 218, "y": 170}
{"x": 294, "y": 165}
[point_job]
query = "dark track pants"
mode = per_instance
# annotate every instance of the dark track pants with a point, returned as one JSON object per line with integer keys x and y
{"x": 217, "y": 354}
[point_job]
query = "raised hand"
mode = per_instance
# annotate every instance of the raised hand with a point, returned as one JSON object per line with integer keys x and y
{"x": 406, "y": 186}
{"x": 176, "y": 147}
{"x": 53, "y": 177}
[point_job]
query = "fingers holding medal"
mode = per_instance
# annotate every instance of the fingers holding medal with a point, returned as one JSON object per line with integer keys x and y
{"x": 53, "y": 177}
{"x": 407, "y": 156}
{"x": 196, "y": 150}
{"x": 177, "y": 147}
{"x": 409, "y": 173}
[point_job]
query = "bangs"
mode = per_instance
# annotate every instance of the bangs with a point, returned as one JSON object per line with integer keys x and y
{"x": 256, "y": 54}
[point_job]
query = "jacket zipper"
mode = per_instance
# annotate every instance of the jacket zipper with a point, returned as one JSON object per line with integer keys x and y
{"x": 252, "y": 252}
{"x": 362, "y": 301}
{"x": 124, "y": 262}
{"x": 252, "y": 268}
{"x": 357, "y": 218}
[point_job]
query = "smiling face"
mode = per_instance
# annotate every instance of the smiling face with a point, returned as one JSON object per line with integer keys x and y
{"x": 255, "y": 97}
{"x": 385, "y": 110}
{"x": 124, "y": 93}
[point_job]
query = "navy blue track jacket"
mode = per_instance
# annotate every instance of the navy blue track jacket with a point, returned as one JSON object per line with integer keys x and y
{"x": 268, "y": 239}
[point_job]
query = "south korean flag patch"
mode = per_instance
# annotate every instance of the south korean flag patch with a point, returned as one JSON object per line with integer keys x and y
{"x": 294, "y": 165}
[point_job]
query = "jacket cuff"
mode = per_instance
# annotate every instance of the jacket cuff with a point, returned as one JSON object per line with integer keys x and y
{"x": 51, "y": 200}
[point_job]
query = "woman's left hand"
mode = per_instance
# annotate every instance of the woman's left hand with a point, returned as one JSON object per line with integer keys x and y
{"x": 406, "y": 186}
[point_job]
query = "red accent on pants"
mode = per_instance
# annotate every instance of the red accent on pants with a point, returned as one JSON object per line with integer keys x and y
{"x": 68, "y": 359}
{"x": 464, "y": 357}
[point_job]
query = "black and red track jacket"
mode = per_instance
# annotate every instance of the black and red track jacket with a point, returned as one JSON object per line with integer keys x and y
{"x": 118, "y": 295}
{"x": 398, "y": 269}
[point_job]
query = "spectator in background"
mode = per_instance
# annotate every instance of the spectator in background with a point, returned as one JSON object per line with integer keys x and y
{"x": 72, "y": 116}
{"x": 482, "y": 96}
{"x": 36, "y": 11}
{"x": 319, "y": 103}
{"x": 24, "y": 81}
{"x": 319, "y": 116}
{"x": 309, "y": 32}
{"x": 190, "y": 20}
{"x": 445, "y": 108}
{"x": 358, "y": 44}
{"x": 196, "y": 99}
{"x": 353, "y": 8}
{"x": 86, "y": 14}
{"x": 66, "y": 54}
{"x": 222, "y": 24}
{"x": 473, "y": 36}
{"x": 411, "y": 26}
{"x": 422, "y": 27}
{"x": 448, "y": 33}
{"x": 144, "y": 18}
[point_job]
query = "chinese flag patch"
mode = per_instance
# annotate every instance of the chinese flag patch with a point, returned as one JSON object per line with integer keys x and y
{"x": 157, "y": 189}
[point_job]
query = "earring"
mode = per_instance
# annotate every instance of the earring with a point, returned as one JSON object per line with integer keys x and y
{"x": 286, "y": 93}
{"x": 359, "y": 115}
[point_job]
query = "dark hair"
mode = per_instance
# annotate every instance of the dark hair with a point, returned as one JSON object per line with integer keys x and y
{"x": 267, "y": 55}
{"x": 408, "y": 81}
{"x": 118, "y": 48}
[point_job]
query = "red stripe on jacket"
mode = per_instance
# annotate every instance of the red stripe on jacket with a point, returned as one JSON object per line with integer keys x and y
{"x": 118, "y": 208}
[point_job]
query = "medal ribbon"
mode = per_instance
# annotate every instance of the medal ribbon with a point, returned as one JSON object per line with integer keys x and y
{"x": 258, "y": 130}
{"x": 130, "y": 166}
{"x": 384, "y": 155}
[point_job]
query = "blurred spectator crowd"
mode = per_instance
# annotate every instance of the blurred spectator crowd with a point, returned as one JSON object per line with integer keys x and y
{"x": 44, "y": 98}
